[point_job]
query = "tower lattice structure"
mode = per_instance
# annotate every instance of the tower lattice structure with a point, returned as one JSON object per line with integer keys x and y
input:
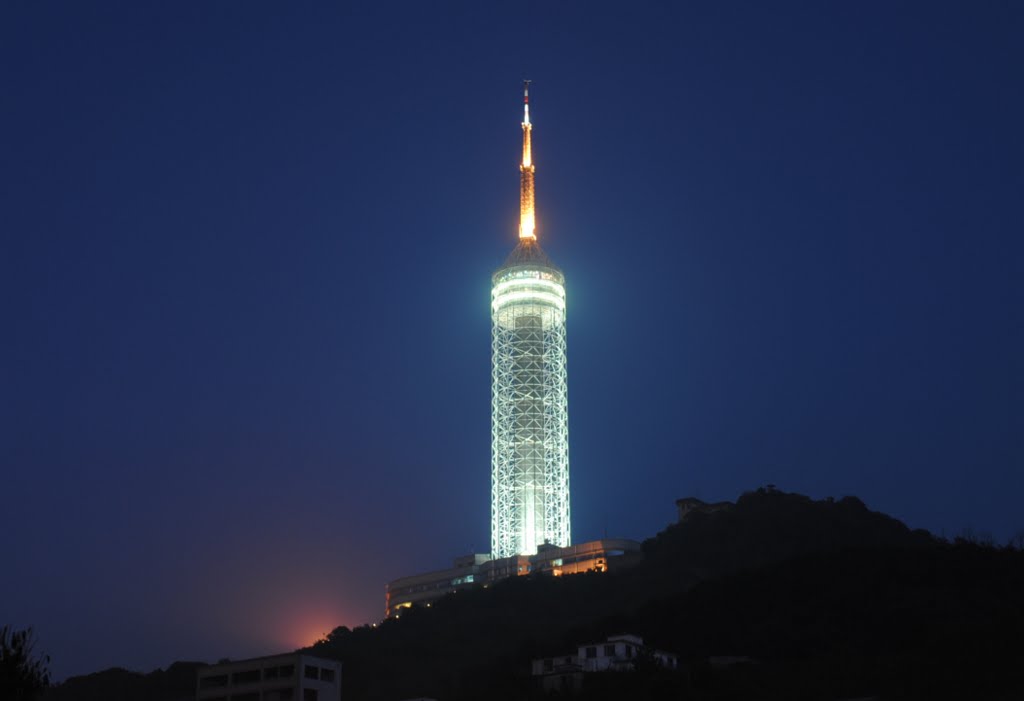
{"x": 529, "y": 399}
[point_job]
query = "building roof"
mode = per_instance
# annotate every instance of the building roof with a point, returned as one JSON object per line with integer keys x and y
{"x": 219, "y": 667}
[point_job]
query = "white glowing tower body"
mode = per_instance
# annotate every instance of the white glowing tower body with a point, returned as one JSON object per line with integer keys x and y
{"x": 529, "y": 407}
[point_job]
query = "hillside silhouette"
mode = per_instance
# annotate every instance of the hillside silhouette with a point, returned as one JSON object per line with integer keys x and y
{"x": 802, "y": 599}
{"x": 176, "y": 683}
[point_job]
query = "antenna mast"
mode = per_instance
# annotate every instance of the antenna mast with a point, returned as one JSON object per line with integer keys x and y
{"x": 527, "y": 218}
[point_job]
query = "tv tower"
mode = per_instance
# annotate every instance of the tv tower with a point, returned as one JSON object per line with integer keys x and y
{"x": 529, "y": 414}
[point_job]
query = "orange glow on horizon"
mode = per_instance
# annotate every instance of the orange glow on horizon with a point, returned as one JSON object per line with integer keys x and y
{"x": 306, "y": 628}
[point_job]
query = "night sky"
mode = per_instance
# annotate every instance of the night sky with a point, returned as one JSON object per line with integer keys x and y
{"x": 245, "y": 272}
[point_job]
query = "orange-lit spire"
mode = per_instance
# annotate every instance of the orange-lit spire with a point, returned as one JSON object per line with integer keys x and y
{"x": 527, "y": 220}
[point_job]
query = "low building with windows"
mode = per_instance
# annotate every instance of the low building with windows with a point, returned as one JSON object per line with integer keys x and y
{"x": 291, "y": 677}
{"x": 475, "y": 570}
{"x": 619, "y": 653}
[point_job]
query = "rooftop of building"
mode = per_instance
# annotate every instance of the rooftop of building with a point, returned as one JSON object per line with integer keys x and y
{"x": 229, "y": 665}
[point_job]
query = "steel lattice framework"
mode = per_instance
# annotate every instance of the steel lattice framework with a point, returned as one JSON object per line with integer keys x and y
{"x": 529, "y": 407}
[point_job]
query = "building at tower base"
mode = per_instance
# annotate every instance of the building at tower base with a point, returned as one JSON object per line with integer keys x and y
{"x": 468, "y": 571}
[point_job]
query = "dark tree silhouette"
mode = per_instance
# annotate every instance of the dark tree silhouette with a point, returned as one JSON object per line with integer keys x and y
{"x": 23, "y": 675}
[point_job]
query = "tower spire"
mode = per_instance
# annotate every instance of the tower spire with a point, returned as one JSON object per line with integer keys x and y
{"x": 527, "y": 219}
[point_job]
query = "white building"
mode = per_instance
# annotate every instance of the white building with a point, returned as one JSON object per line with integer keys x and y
{"x": 619, "y": 653}
{"x": 291, "y": 677}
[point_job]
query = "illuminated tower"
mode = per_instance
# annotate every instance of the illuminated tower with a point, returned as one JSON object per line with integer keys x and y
{"x": 529, "y": 415}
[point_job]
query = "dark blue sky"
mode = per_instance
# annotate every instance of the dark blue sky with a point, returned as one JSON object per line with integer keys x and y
{"x": 246, "y": 256}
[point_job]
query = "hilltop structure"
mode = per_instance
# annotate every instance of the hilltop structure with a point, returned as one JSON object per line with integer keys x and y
{"x": 479, "y": 570}
{"x": 530, "y": 528}
{"x": 692, "y": 505}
